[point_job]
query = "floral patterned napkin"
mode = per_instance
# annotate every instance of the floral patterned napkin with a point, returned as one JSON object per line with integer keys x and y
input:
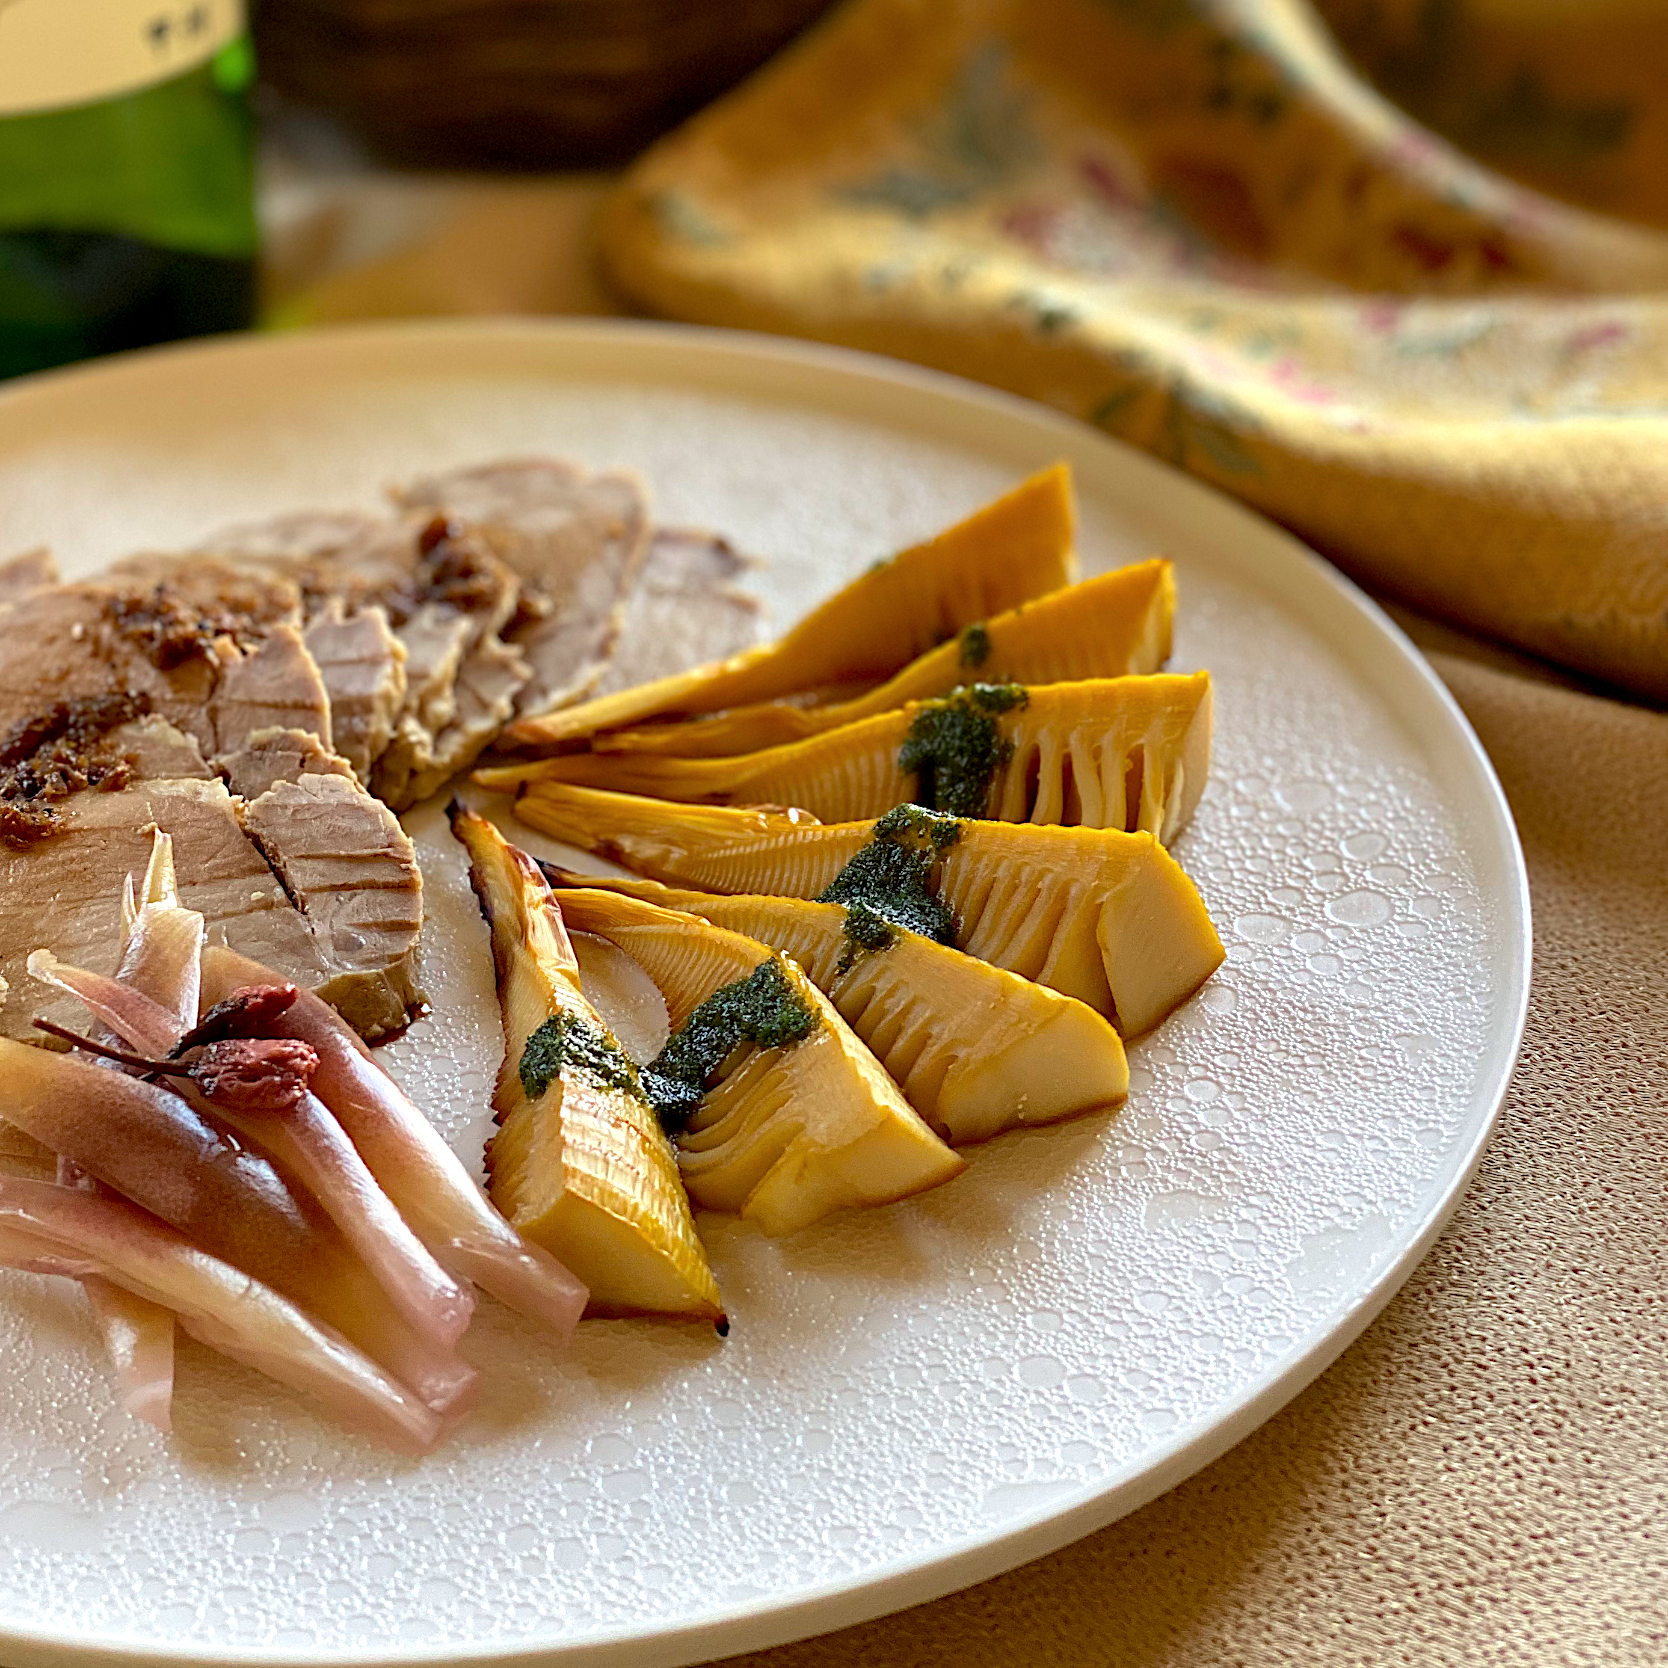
{"x": 1196, "y": 225}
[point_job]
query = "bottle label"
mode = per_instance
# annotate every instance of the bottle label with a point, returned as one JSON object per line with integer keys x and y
{"x": 55, "y": 53}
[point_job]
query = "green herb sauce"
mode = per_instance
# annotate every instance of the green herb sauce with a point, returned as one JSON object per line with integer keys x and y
{"x": 865, "y": 930}
{"x": 954, "y": 747}
{"x": 763, "y": 1008}
{"x": 888, "y": 883}
{"x": 918, "y": 827}
{"x": 569, "y": 1040}
{"x": 975, "y": 646}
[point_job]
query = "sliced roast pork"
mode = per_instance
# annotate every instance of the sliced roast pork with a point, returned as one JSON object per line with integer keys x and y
{"x": 492, "y": 674}
{"x": 78, "y": 662}
{"x": 574, "y": 540}
{"x": 154, "y": 751}
{"x": 445, "y": 598}
{"x": 686, "y": 609}
{"x": 274, "y": 685}
{"x": 362, "y": 664}
{"x": 63, "y": 892}
{"x": 350, "y": 557}
{"x": 462, "y": 678}
{"x": 346, "y": 863}
{"x": 70, "y": 643}
{"x": 176, "y": 601}
{"x": 215, "y": 653}
{"x": 388, "y": 650}
{"x": 315, "y": 877}
{"x": 243, "y": 624}
{"x": 246, "y": 695}
{"x": 269, "y": 757}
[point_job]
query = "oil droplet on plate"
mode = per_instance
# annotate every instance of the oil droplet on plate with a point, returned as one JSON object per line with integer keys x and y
{"x": 1360, "y": 909}
{"x": 1364, "y": 847}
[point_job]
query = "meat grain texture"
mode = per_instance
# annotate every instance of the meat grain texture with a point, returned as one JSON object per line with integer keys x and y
{"x": 274, "y": 697}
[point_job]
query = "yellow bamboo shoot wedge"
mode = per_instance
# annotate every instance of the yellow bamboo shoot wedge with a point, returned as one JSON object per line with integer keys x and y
{"x": 975, "y": 1049}
{"x": 1107, "y": 627}
{"x": 1106, "y": 917}
{"x": 1125, "y": 753}
{"x": 1018, "y": 547}
{"x": 580, "y": 1163}
{"x": 790, "y": 1131}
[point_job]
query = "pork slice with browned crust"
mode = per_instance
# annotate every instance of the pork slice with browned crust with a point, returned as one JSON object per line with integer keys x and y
{"x": 214, "y": 595}
{"x": 73, "y": 642}
{"x": 63, "y": 892}
{"x": 574, "y": 541}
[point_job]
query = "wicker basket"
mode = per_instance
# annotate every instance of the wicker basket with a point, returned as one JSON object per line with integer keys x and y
{"x": 516, "y": 83}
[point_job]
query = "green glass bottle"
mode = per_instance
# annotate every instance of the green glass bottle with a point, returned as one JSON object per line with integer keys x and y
{"x": 126, "y": 175}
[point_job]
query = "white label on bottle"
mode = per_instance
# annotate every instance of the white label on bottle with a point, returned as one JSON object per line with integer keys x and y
{"x": 55, "y": 53}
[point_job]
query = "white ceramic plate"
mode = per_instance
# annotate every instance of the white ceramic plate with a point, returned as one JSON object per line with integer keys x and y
{"x": 911, "y": 1399}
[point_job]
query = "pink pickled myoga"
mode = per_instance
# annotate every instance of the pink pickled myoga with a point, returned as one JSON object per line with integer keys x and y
{"x": 417, "y": 1170}
{"x": 161, "y": 1152}
{"x": 161, "y": 943}
{"x": 138, "y": 1334}
{"x": 136, "y": 1019}
{"x": 307, "y": 1142}
{"x": 47, "y": 1229}
{"x": 310, "y": 1147}
{"x": 258, "y": 1086}
{"x": 162, "y": 940}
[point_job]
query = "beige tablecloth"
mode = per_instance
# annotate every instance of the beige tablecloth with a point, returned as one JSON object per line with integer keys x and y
{"x": 1483, "y": 1477}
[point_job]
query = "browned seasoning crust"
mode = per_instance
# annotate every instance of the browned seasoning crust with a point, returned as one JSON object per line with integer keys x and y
{"x": 61, "y": 751}
{"x": 271, "y": 697}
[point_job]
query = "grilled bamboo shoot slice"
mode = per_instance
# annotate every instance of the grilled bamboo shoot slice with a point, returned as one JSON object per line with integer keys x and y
{"x": 580, "y": 1163}
{"x": 975, "y": 1049}
{"x": 1106, "y": 917}
{"x": 1109, "y": 627}
{"x": 1125, "y": 753}
{"x": 1018, "y": 547}
{"x": 789, "y": 1132}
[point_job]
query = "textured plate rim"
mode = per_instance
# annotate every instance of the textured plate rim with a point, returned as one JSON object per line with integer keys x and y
{"x": 1423, "y": 702}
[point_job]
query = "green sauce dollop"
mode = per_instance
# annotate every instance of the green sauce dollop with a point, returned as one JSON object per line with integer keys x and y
{"x": 954, "y": 747}
{"x": 975, "y": 646}
{"x": 763, "y": 1008}
{"x": 865, "y": 930}
{"x": 570, "y": 1040}
{"x": 888, "y": 882}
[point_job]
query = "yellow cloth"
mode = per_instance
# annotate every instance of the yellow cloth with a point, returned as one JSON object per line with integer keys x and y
{"x": 1193, "y": 224}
